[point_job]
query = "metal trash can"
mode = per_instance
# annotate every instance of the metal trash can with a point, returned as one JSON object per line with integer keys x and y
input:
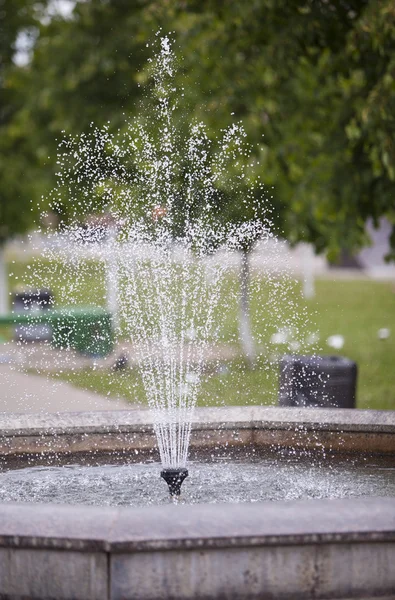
{"x": 321, "y": 381}
{"x": 33, "y": 301}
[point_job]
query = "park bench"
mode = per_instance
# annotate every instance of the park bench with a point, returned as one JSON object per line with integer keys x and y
{"x": 87, "y": 329}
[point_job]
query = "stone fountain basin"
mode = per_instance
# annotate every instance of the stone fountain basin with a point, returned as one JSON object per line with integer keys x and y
{"x": 342, "y": 548}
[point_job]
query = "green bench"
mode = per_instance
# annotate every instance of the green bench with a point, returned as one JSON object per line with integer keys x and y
{"x": 85, "y": 329}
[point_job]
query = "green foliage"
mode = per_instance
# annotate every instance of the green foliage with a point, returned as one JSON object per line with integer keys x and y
{"x": 17, "y": 163}
{"x": 83, "y": 70}
{"x": 315, "y": 78}
{"x": 312, "y": 81}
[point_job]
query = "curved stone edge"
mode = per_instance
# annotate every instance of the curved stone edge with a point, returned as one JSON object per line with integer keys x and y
{"x": 342, "y": 431}
{"x": 204, "y": 526}
{"x": 260, "y": 417}
{"x": 298, "y": 549}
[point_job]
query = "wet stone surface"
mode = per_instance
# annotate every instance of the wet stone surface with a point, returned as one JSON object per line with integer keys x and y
{"x": 221, "y": 480}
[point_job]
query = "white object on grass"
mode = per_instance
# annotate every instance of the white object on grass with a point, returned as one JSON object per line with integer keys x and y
{"x": 281, "y": 337}
{"x": 335, "y": 341}
{"x": 383, "y": 333}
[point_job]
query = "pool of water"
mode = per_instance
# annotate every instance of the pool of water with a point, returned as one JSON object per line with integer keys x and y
{"x": 219, "y": 480}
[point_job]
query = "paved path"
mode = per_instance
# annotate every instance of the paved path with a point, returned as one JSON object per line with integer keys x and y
{"x": 21, "y": 392}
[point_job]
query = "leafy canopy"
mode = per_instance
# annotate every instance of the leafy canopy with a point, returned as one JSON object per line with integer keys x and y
{"x": 313, "y": 82}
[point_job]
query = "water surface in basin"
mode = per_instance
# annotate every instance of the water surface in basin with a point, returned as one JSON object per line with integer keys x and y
{"x": 221, "y": 480}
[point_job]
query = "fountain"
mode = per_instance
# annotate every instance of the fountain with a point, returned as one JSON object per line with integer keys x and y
{"x": 169, "y": 294}
{"x": 162, "y": 193}
{"x": 319, "y": 547}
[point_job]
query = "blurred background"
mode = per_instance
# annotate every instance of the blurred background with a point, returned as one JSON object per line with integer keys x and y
{"x": 313, "y": 83}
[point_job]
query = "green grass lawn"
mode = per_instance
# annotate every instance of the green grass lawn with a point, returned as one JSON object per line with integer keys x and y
{"x": 355, "y": 309}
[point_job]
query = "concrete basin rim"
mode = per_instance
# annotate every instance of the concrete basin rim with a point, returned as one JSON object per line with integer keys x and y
{"x": 121, "y": 529}
{"x": 216, "y": 418}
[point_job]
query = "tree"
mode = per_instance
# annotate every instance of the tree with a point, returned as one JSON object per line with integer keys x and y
{"x": 80, "y": 70}
{"x": 313, "y": 77}
{"x": 17, "y": 17}
{"x": 312, "y": 81}
{"x": 316, "y": 78}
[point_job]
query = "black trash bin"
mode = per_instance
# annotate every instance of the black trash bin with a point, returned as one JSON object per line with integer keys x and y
{"x": 323, "y": 381}
{"x": 33, "y": 301}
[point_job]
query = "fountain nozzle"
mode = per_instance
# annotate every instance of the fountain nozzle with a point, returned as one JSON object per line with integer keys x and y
{"x": 174, "y": 479}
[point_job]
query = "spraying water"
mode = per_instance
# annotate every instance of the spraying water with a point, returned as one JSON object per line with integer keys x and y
{"x": 164, "y": 191}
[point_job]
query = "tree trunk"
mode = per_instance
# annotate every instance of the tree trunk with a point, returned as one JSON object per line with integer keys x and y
{"x": 112, "y": 279}
{"x": 247, "y": 341}
{"x": 3, "y": 282}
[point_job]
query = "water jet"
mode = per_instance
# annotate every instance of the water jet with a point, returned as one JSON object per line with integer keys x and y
{"x": 174, "y": 479}
{"x": 164, "y": 191}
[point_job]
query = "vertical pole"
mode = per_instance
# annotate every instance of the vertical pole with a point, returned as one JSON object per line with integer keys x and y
{"x": 308, "y": 288}
{"x": 247, "y": 340}
{"x": 112, "y": 279}
{"x": 3, "y": 281}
